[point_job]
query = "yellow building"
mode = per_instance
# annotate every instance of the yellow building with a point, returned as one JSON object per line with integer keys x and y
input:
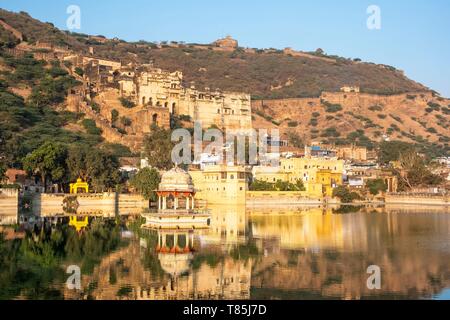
{"x": 221, "y": 184}
{"x": 319, "y": 175}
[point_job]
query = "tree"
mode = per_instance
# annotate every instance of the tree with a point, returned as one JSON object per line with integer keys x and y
{"x": 295, "y": 140}
{"x": 99, "y": 168}
{"x": 114, "y": 115}
{"x": 102, "y": 170}
{"x": 158, "y": 148}
{"x": 48, "y": 162}
{"x": 391, "y": 150}
{"x": 2, "y": 170}
{"x": 414, "y": 171}
{"x": 76, "y": 162}
{"x": 376, "y": 186}
{"x": 345, "y": 195}
{"x": 146, "y": 182}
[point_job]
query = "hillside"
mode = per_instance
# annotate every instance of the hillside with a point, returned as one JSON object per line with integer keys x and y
{"x": 33, "y": 111}
{"x": 363, "y": 119}
{"x": 299, "y": 93}
{"x": 263, "y": 73}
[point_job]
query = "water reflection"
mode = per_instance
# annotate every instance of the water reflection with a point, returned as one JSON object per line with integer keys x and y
{"x": 301, "y": 253}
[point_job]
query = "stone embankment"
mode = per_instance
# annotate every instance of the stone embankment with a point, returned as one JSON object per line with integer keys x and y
{"x": 9, "y": 206}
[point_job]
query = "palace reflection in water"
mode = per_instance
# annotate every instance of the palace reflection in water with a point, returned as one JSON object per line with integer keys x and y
{"x": 299, "y": 253}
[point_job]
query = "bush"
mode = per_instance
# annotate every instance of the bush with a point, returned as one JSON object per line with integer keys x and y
{"x": 125, "y": 121}
{"x": 127, "y": 103}
{"x": 331, "y": 133}
{"x": 376, "y": 108}
{"x": 382, "y": 116}
{"x": 313, "y": 122}
{"x": 345, "y": 195}
{"x": 332, "y": 108}
{"x": 79, "y": 71}
{"x": 91, "y": 127}
{"x": 95, "y": 107}
{"x": 293, "y": 124}
{"x": 376, "y": 186}
{"x": 114, "y": 116}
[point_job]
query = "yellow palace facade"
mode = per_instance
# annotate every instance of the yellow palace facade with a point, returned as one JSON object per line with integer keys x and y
{"x": 319, "y": 175}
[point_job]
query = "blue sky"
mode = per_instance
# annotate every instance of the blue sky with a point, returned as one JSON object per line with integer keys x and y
{"x": 414, "y": 34}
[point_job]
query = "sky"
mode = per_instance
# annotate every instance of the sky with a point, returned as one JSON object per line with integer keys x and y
{"x": 414, "y": 35}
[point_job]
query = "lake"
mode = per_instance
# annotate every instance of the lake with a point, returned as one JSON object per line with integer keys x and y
{"x": 266, "y": 253}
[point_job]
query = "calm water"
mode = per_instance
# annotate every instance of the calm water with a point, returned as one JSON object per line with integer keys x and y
{"x": 310, "y": 253}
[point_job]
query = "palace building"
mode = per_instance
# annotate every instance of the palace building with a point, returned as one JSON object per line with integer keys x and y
{"x": 153, "y": 87}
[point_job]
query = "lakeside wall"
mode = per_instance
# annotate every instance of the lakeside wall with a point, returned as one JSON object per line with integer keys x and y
{"x": 280, "y": 198}
{"x": 417, "y": 199}
{"x": 9, "y": 206}
{"x": 106, "y": 205}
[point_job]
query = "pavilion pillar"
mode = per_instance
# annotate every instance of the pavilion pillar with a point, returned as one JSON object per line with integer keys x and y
{"x": 164, "y": 204}
{"x": 187, "y": 203}
{"x": 193, "y": 203}
{"x": 176, "y": 203}
{"x": 163, "y": 239}
{"x": 175, "y": 240}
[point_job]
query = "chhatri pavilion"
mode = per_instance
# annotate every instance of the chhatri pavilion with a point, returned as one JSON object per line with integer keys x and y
{"x": 176, "y": 204}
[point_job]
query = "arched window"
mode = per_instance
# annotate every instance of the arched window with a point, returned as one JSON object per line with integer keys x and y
{"x": 155, "y": 118}
{"x": 174, "y": 105}
{"x": 166, "y": 105}
{"x": 150, "y": 102}
{"x": 158, "y": 104}
{"x": 143, "y": 101}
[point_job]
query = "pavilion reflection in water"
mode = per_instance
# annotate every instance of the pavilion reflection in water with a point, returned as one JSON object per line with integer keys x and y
{"x": 310, "y": 252}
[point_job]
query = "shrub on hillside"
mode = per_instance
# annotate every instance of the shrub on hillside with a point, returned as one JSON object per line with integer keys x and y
{"x": 127, "y": 103}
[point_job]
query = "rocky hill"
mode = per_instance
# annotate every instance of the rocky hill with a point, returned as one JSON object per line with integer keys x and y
{"x": 297, "y": 92}
{"x": 363, "y": 119}
{"x": 265, "y": 74}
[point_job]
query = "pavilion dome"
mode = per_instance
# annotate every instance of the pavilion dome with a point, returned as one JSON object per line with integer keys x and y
{"x": 176, "y": 180}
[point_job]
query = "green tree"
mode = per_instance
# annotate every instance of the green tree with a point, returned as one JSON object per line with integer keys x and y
{"x": 102, "y": 170}
{"x": 146, "y": 181}
{"x": 48, "y": 162}
{"x": 99, "y": 168}
{"x": 345, "y": 195}
{"x": 158, "y": 148}
{"x": 376, "y": 186}
{"x": 114, "y": 116}
{"x": 391, "y": 150}
{"x": 2, "y": 170}
{"x": 76, "y": 162}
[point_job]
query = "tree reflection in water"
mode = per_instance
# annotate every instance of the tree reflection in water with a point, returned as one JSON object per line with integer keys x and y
{"x": 33, "y": 267}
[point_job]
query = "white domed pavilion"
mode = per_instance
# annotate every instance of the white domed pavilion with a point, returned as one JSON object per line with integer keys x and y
{"x": 176, "y": 204}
